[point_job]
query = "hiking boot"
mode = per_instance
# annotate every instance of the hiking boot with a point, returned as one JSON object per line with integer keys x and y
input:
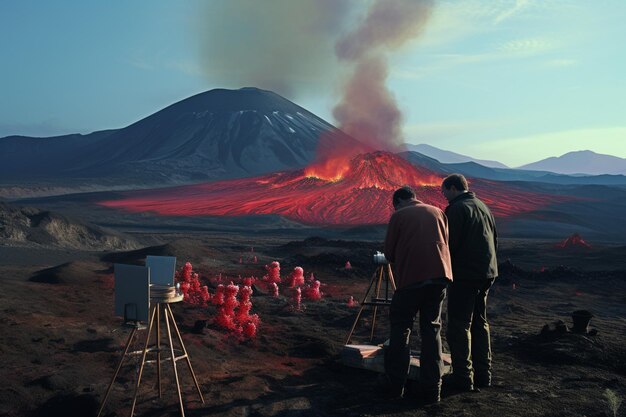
{"x": 391, "y": 390}
{"x": 430, "y": 394}
{"x": 482, "y": 381}
{"x": 394, "y": 392}
{"x": 455, "y": 385}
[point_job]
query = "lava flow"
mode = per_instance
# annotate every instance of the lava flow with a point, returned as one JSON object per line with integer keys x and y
{"x": 357, "y": 193}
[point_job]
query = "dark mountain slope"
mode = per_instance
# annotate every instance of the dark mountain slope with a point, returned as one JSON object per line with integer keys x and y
{"x": 216, "y": 134}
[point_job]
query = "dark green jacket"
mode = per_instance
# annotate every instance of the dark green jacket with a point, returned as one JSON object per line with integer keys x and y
{"x": 473, "y": 239}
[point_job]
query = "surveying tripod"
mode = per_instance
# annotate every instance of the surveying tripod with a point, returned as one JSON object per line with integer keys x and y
{"x": 382, "y": 273}
{"x": 159, "y": 306}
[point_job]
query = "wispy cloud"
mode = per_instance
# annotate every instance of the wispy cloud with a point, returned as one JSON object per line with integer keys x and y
{"x": 137, "y": 59}
{"x": 510, "y": 50}
{"x": 454, "y": 20}
{"x": 438, "y": 63}
{"x": 484, "y": 31}
{"x": 519, "y": 6}
{"x": 459, "y": 21}
{"x": 527, "y": 46}
{"x": 187, "y": 67}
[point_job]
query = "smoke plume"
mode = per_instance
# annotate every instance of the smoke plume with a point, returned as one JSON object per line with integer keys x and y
{"x": 286, "y": 46}
{"x": 389, "y": 24}
{"x": 368, "y": 110}
{"x": 279, "y": 45}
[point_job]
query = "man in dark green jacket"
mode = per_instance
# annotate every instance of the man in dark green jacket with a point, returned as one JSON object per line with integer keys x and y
{"x": 473, "y": 241}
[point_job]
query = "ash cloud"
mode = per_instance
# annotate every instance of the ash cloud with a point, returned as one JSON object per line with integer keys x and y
{"x": 368, "y": 109}
{"x": 389, "y": 24}
{"x": 280, "y": 45}
{"x": 287, "y": 46}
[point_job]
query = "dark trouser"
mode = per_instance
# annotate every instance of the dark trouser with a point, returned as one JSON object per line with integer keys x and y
{"x": 468, "y": 331}
{"x": 405, "y": 305}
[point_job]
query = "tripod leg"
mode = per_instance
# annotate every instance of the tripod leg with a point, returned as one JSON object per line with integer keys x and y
{"x": 119, "y": 366}
{"x": 169, "y": 335}
{"x": 355, "y": 323}
{"x": 373, "y": 323}
{"x": 180, "y": 339}
{"x": 391, "y": 278}
{"x": 158, "y": 342}
{"x": 378, "y": 284}
{"x": 362, "y": 307}
{"x": 143, "y": 360}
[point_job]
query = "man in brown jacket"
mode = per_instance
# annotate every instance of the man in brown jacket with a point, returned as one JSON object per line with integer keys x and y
{"x": 417, "y": 245}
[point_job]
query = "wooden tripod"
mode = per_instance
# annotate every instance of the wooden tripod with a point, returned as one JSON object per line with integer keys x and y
{"x": 155, "y": 312}
{"x": 382, "y": 273}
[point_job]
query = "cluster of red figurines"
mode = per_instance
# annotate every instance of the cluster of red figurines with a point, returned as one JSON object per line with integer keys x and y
{"x": 248, "y": 258}
{"x": 295, "y": 284}
{"x": 272, "y": 278}
{"x": 296, "y": 278}
{"x": 234, "y": 314}
{"x": 193, "y": 291}
{"x": 234, "y": 301}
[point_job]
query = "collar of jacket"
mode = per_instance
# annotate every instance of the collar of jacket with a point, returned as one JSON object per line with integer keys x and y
{"x": 463, "y": 196}
{"x": 412, "y": 203}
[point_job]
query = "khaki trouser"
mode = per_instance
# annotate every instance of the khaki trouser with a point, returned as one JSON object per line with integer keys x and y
{"x": 468, "y": 331}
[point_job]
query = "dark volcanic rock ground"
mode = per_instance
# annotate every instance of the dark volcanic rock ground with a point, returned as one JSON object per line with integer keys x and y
{"x": 60, "y": 342}
{"x": 32, "y": 227}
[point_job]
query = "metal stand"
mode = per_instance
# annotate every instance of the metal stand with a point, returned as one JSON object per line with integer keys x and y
{"x": 382, "y": 273}
{"x": 155, "y": 312}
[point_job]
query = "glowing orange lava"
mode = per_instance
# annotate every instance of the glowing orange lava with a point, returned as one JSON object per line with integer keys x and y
{"x": 331, "y": 170}
{"x": 358, "y": 192}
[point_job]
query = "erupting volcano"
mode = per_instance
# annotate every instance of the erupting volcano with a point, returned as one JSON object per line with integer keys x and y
{"x": 361, "y": 194}
{"x": 573, "y": 241}
{"x": 357, "y": 193}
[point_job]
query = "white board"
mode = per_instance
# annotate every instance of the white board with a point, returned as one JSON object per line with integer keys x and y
{"x": 132, "y": 292}
{"x": 162, "y": 269}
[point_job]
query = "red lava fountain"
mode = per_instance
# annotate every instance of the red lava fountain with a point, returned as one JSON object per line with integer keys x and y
{"x": 359, "y": 192}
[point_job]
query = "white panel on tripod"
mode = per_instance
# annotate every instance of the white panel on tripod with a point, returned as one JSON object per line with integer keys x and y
{"x": 132, "y": 292}
{"x": 162, "y": 269}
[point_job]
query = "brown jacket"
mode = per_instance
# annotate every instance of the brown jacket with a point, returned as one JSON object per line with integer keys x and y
{"x": 417, "y": 244}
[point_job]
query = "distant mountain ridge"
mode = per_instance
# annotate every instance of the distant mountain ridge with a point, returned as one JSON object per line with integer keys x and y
{"x": 581, "y": 162}
{"x": 449, "y": 157}
{"x": 475, "y": 170}
{"x": 610, "y": 170}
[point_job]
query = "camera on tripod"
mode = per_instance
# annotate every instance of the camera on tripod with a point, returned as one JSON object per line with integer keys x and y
{"x": 378, "y": 293}
{"x": 379, "y": 258}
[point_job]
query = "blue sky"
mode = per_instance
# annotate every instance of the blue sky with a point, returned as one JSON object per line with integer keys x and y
{"x": 510, "y": 80}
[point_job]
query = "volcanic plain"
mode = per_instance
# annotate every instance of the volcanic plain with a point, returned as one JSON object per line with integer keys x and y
{"x": 60, "y": 341}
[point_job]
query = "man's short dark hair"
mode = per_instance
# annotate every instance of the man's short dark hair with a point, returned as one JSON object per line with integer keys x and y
{"x": 458, "y": 180}
{"x": 404, "y": 193}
